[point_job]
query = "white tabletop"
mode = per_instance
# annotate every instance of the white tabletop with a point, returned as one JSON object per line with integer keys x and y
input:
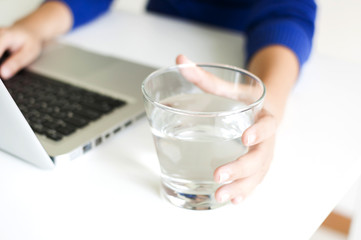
{"x": 113, "y": 191}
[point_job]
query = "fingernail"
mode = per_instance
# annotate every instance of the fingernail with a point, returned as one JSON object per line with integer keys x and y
{"x": 224, "y": 197}
{"x": 237, "y": 200}
{"x": 5, "y": 72}
{"x": 223, "y": 177}
{"x": 251, "y": 139}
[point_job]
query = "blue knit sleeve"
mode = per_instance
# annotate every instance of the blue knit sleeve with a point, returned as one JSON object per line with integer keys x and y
{"x": 282, "y": 22}
{"x": 85, "y": 10}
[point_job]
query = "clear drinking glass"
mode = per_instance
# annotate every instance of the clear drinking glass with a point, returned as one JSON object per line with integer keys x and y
{"x": 197, "y": 114}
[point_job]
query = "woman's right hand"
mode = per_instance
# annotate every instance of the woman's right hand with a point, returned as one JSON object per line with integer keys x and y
{"x": 24, "y": 39}
{"x": 23, "y": 45}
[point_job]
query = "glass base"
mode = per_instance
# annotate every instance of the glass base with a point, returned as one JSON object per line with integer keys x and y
{"x": 190, "y": 201}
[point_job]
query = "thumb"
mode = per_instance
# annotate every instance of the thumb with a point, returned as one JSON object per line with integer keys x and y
{"x": 264, "y": 128}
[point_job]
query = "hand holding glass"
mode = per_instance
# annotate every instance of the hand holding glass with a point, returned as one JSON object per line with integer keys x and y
{"x": 197, "y": 115}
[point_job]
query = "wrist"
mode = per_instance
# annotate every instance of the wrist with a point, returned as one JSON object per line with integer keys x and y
{"x": 28, "y": 32}
{"x": 278, "y": 67}
{"x": 50, "y": 20}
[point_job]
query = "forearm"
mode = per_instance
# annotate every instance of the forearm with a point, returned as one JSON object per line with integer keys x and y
{"x": 50, "y": 20}
{"x": 278, "y": 68}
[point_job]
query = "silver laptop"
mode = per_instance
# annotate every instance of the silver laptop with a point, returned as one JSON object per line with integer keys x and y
{"x": 88, "y": 98}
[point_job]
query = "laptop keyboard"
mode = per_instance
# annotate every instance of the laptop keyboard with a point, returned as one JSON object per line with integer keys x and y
{"x": 56, "y": 109}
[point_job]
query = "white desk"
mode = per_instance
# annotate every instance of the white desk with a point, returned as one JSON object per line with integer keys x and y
{"x": 113, "y": 191}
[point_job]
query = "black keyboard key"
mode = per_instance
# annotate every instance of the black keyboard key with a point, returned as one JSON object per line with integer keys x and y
{"x": 5, "y": 55}
{"x": 50, "y": 124}
{"x": 88, "y": 114}
{"x": 65, "y": 130}
{"x": 52, "y": 134}
{"x": 76, "y": 121}
{"x": 117, "y": 103}
{"x": 59, "y": 114}
{"x": 38, "y": 128}
{"x": 103, "y": 108}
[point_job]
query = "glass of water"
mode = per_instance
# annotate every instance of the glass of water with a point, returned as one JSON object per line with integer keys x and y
{"x": 197, "y": 114}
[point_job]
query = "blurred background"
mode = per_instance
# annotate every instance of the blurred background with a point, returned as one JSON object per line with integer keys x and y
{"x": 338, "y": 23}
{"x": 338, "y": 36}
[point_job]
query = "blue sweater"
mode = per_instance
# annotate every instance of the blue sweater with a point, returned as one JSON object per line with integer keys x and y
{"x": 265, "y": 22}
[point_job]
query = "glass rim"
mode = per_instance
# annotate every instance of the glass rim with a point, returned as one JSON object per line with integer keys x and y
{"x": 254, "y": 104}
